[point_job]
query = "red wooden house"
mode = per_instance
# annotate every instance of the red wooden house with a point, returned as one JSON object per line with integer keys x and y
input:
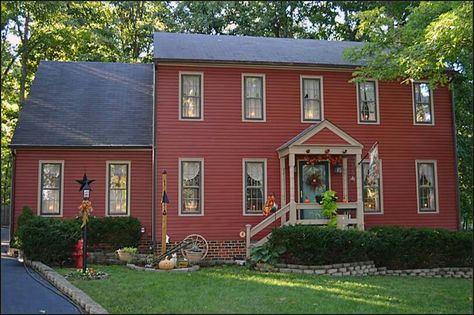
{"x": 232, "y": 120}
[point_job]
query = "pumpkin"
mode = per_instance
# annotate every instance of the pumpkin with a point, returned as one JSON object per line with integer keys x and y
{"x": 166, "y": 264}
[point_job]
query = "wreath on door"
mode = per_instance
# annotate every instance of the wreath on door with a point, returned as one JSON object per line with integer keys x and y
{"x": 314, "y": 180}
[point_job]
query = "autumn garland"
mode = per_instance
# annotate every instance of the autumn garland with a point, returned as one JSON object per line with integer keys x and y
{"x": 85, "y": 210}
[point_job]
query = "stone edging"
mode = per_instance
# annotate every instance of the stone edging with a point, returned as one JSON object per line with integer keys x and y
{"x": 75, "y": 294}
{"x": 366, "y": 268}
{"x": 191, "y": 269}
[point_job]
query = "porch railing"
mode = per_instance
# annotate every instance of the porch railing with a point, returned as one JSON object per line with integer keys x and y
{"x": 279, "y": 214}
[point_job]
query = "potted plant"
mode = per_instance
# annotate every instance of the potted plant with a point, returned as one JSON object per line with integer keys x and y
{"x": 194, "y": 254}
{"x": 127, "y": 254}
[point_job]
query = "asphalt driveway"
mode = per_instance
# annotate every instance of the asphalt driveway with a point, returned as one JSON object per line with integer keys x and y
{"x": 21, "y": 294}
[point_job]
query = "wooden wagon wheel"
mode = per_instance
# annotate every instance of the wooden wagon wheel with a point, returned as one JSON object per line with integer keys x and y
{"x": 197, "y": 240}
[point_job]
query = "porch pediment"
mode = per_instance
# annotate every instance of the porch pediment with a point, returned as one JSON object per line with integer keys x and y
{"x": 324, "y": 134}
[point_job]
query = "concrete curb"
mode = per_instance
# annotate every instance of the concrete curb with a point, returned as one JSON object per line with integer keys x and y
{"x": 75, "y": 294}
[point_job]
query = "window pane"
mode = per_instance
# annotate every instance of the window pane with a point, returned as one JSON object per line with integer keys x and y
{"x": 423, "y": 113}
{"x": 50, "y": 201}
{"x": 370, "y": 192}
{"x": 254, "y": 186}
{"x": 312, "y": 110}
{"x": 311, "y": 99}
{"x": 118, "y": 189}
{"x": 253, "y": 98}
{"x": 422, "y": 103}
{"x": 51, "y": 176}
{"x": 253, "y": 87}
{"x": 118, "y": 201}
{"x": 190, "y": 187}
{"x": 191, "y": 96}
{"x": 118, "y": 176}
{"x": 426, "y": 187}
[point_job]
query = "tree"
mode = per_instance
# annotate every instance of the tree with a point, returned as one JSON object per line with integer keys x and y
{"x": 433, "y": 38}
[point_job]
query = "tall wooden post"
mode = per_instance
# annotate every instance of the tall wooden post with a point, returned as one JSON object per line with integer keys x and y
{"x": 164, "y": 206}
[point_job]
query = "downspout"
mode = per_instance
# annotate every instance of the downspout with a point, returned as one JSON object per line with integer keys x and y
{"x": 12, "y": 193}
{"x": 453, "y": 114}
{"x": 153, "y": 167}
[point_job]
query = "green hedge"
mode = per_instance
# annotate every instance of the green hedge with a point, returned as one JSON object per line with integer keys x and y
{"x": 411, "y": 248}
{"x": 312, "y": 245}
{"x": 115, "y": 231}
{"x": 53, "y": 240}
{"x": 392, "y": 247}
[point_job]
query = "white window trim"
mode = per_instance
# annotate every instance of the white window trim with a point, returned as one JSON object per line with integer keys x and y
{"x": 321, "y": 85}
{"x": 201, "y": 74}
{"x": 129, "y": 195}
{"x": 414, "y": 108}
{"x": 180, "y": 188}
{"x": 264, "y": 97}
{"x": 377, "y": 105}
{"x": 434, "y": 162}
{"x": 38, "y": 211}
{"x": 265, "y": 183}
{"x": 380, "y": 190}
{"x": 297, "y": 165}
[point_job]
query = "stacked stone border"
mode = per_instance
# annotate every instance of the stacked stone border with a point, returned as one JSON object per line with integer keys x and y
{"x": 76, "y": 295}
{"x": 367, "y": 268}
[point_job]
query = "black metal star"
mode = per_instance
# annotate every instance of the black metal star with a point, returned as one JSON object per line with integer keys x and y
{"x": 85, "y": 183}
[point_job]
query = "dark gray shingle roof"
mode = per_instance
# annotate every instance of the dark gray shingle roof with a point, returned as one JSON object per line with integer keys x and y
{"x": 88, "y": 104}
{"x": 248, "y": 49}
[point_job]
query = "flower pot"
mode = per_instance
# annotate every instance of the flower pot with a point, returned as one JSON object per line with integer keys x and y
{"x": 124, "y": 256}
{"x": 193, "y": 257}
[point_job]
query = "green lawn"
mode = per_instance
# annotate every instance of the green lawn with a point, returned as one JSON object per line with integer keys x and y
{"x": 239, "y": 290}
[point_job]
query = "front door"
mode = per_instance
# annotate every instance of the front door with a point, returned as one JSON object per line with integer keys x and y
{"x": 313, "y": 182}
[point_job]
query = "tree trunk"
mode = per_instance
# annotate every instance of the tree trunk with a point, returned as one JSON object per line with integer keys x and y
{"x": 24, "y": 58}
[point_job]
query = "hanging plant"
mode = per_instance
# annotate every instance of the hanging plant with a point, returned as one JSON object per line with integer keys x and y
{"x": 329, "y": 207}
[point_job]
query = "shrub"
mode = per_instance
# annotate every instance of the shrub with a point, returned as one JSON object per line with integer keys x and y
{"x": 411, "y": 248}
{"x": 23, "y": 218}
{"x": 49, "y": 240}
{"x": 115, "y": 231}
{"x": 53, "y": 240}
{"x": 392, "y": 247}
{"x": 312, "y": 245}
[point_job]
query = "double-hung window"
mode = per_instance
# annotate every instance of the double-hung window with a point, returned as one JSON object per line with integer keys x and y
{"x": 254, "y": 186}
{"x": 368, "y": 103}
{"x": 371, "y": 190}
{"x": 253, "y": 94}
{"x": 191, "y": 96}
{"x": 426, "y": 185}
{"x": 118, "y": 188}
{"x": 51, "y": 186}
{"x": 311, "y": 99}
{"x": 191, "y": 187}
{"x": 422, "y": 103}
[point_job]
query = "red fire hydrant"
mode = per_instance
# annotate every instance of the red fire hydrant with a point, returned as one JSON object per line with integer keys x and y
{"x": 77, "y": 254}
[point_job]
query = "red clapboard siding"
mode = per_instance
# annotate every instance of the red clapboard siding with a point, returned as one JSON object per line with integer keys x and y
{"x": 325, "y": 136}
{"x": 76, "y": 162}
{"x": 222, "y": 139}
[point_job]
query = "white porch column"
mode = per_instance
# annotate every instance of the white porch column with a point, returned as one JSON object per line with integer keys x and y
{"x": 345, "y": 193}
{"x": 360, "y": 209}
{"x": 291, "y": 170}
{"x": 282, "y": 187}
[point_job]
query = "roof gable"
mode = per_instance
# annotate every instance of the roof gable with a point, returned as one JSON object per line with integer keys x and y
{"x": 181, "y": 47}
{"x": 323, "y": 133}
{"x": 91, "y": 104}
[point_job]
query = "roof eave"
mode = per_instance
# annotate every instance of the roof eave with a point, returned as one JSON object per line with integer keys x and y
{"x": 246, "y": 62}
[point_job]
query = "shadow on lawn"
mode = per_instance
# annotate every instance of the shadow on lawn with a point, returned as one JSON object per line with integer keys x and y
{"x": 329, "y": 287}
